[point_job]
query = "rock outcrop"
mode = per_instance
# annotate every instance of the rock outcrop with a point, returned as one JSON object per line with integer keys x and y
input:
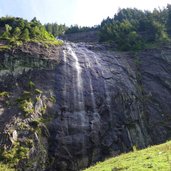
{"x": 26, "y": 97}
{"x": 89, "y": 36}
{"x": 90, "y": 102}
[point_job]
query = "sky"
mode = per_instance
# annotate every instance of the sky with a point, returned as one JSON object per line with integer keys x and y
{"x": 71, "y": 12}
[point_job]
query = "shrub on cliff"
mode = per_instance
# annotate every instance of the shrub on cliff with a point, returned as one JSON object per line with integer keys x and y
{"x": 17, "y": 30}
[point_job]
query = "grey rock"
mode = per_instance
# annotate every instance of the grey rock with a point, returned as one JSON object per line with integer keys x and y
{"x": 14, "y": 135}
{"x": 105, "y": 102}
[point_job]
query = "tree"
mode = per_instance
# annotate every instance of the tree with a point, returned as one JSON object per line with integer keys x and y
{"x": 159, "y": 31}
{"x": 21, "y": 24}
{"x": 16, "y": 32}
{"x": 35, "y": 22}
{"x": 131, "y": 28}
{"x": 35, "y": 32}
{"x": 6, "y": 34}
{"x": 25, "y": 35}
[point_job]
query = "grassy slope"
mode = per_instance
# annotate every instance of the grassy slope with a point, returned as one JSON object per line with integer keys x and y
{"x": 155, "y": 158}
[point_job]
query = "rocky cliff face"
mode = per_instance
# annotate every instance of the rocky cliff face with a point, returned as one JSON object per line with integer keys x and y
{"x": 89, "y": 36}
{"x": 26, "y": 104}
{"x": 84, "y": 103}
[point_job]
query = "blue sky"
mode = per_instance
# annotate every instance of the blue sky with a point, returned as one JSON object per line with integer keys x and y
{"x": 81, "y": 12}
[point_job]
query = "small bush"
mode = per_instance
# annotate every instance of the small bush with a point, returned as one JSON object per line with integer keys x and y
{"x": 27, "y": 106}
{"x": 52, "y": 99}
{"x": 4, "y": 94}
{"x": 14, "y": 155}
{"x": 5, "y": 167}
{"x": 31, "y": 85}
{"x": 37, "y": 91}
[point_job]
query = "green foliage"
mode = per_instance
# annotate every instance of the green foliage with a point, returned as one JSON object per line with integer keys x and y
{"x": 55, "y": 29}
{"x": 6, "y": 34}
{"x": 5, "y": 167}
{"x": 4, "y": 94}
{"x": 27, "y": 106}
{"x": 58, "y": 30}
{"x": 15, "y": 31}
{"x": 8, "y": 28}
{"x": 153, "y": 158}
{"x": 134, "y": 148}
{"x": 15, "y": 154}
{"x": 25, "y": 35}
{"x": 77, "y": 29}
{"x": 28, "y": 98}
{"x": 131, "y": 29}
{"x": 37, "y": 91}
{"x": 52, "y": 99}
{"x": 31, "y": 85}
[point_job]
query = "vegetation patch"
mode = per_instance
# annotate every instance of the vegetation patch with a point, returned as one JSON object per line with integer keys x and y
{"x": 16, "y": 31}
{"x": 27, "y": 100}
{"x": 4, "y": 167}
{"x": 4, "y": 94}
{"x": 27, "y": 106}
{"x": 157, "y": 157}
{"x": 29, "y": 128}
{"x": 133, "y": 29}
{"x": 52, "y": 99}
{"x": 37, "y": 91}
{"x": 15, "y": 154}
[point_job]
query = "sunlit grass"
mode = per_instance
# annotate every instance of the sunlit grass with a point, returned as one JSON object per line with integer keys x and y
{"x": 49, "y": 42}
{"x": 154, "y": 158}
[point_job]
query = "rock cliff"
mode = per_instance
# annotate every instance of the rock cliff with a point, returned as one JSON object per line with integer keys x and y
{"x": 89, "y": 36}
{"x": 74, "y": 105}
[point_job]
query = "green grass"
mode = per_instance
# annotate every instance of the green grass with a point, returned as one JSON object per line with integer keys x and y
{"x": 155, "y": 158}
{"x": 46, "y": 43}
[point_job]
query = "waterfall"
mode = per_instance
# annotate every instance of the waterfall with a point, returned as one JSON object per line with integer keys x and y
{"x": 79, "y": 82}
{"x": 65, "y": 92}
{"x": 76, "y": 91}
{"x": 65, "y": 81}
{"x": 90, "y": 83}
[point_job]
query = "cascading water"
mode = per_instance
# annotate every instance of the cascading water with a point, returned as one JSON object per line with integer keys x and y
{"x": 77, "y": 88}
{"x": 91, "y": 108}
{"x": 79, "y": 81}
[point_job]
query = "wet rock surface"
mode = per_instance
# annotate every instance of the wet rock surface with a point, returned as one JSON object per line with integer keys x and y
{"x": 108, "y": 103}
{"x": 104, "y": 102}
